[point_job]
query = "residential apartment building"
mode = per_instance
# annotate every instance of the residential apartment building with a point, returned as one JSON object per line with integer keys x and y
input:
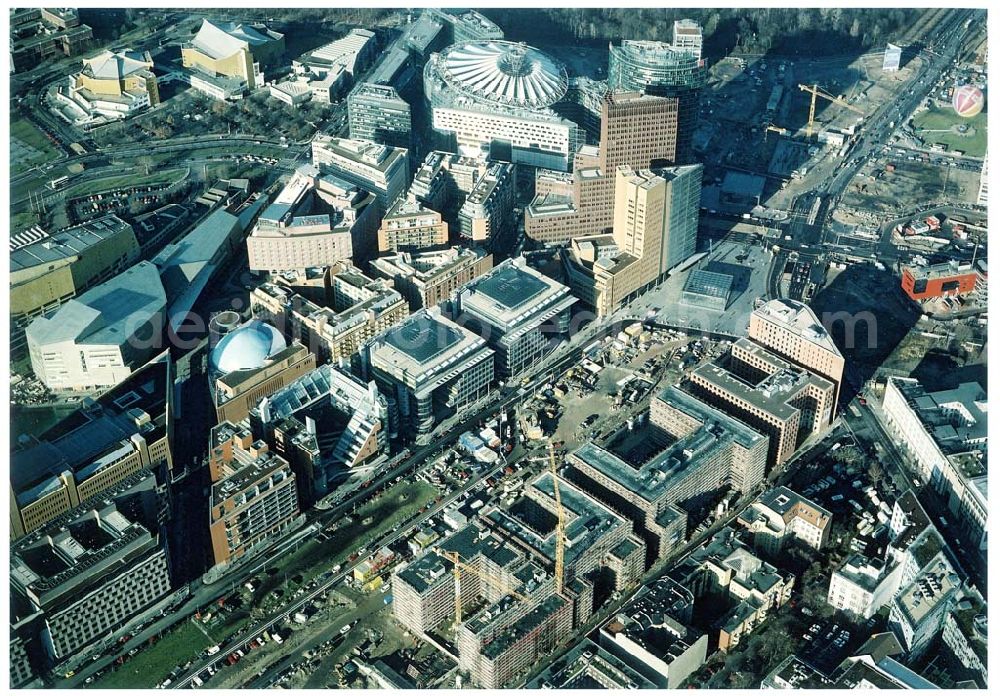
{"x": 862, "y": 586}
{"x": 428, "y": 278}
{"x": 253, "y": 496}
{"x": 779, "y": 514}
{"x": 785, "y": 402}
{"x": 521, "y": 313}
{"x": 356, "y": 309}
{"x": 793, "y": 331}
{"x": 486, "y": 216}
{"x": 430, "y": 367}
{"x": 586, "y": 664}
{"x": 409, "y": 226}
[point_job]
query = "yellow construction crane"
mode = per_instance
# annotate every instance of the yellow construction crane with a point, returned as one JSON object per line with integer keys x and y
{"x": 815, "y": 91}
{"x": 774, "y": 129}
{"x": 457, "y": 567}
{"x": 560, "y": 523}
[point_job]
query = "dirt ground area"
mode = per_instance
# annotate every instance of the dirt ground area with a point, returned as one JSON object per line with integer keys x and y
{"x": 913, "y": 184}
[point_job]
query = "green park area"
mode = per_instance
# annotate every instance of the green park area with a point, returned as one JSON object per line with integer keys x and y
{"x": 942, "y": 126}
{"x": 152, "y": 665}
{"x": 110, "y": 183}
{"x": 28, "y": 146}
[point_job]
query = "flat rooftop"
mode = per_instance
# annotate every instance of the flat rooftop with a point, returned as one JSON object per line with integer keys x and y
{"x": 67, "y": 243}
{"x": 745, "y": 436}
{"x": 589, "y": 666}
{"x": 800, "y": 320}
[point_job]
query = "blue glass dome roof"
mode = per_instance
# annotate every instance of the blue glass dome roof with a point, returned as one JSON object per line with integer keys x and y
{"x": 247, "y": 348}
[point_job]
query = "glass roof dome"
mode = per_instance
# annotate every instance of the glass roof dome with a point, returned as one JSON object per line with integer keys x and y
{"x": 247, "y": 348}
{"x": 503, "y": 72}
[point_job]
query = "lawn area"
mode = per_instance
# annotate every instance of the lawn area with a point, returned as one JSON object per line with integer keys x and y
{"x": 151, "y": 666}
{"x": 29, "y": 146}
{"x": 972, "y": 142}
{"x": 167, "y": 176}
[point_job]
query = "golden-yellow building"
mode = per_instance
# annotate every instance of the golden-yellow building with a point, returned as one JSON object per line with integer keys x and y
{"x": 233, "y": 51}
{"x": 115, "y": 84}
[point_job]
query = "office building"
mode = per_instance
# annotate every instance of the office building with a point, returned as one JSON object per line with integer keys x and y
{"x": 99, "y": 338}
{"x": 582, "y": 104}
{"x": 589, "y": 666}
{"x": 87, "y": 574}
{"x": 57, "y": 267}
{"x": 779, "y": 399}
{"x": 944, "y": 434}
{"x": 863, "y": 585}
{"x": 652, "y": 635}
{"x": 429, "y": 367}
{"x": 674, "y": 71}
{"x": 354, "y": 310}
{"x": 115, "y": 85}
{"x": 917, "y": 614}
{"x": 486, "y": 217}
{"x": 250, "y": 362}
{"x": 428, "y": 278}
{"x": 700, "y": 452}
{"x": 949, "y": 279}
{"x": 687, "y": 36}
{"x": 655, "y": 228}
{"x": 793, "y": 331}
{"x": 891, "y": 58}
{"x": 127, "y": 429}
{"x": 409, "y": 226}
{"x": 228, "y": 58}
{"x": 494, "y": 97}
{"x": 253, "y": 498}
{"x": 40, "y": 34}
{"x": 381, "y": 170}
{"x": 327, "y": 423}
{"x": 521, "y": 313}
{"x": 534, "y": 635}
{"x": 377, "y": 113}
{"x": 749, "y": 589}
{"x": 316, "y": 220}
{"x": 465, "y": 25}
{"x": 780, "y": 514}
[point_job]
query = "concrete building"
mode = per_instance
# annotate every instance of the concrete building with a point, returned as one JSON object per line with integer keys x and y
{"x": 253, "y": 496}
{"x": 983, "y": 198}
{"x": 126, "y": 430}
{"x": 233, "y": 53}
{"x": 443, "y": 179}
{"x": 779, "y": 514}
{"x": 377, "y": 113}
{"x": 351, "y": 53}
{"x": 251, "y": 365}
{"x": 99, "y": 338}
{"x": 862, "y": 586}
{"x": 949, "y": 279}
{"x": 917, "y": 614}
{"x": 725, "y": 570}
{"x": 428, "y": 278}
{"x": 354, "y": 310}
{"x": 115, "y": 85}
{"x": 589, "y": 666}
{"x": 409, "y": 226}
{"x": 651, "y": 635}
{"x": 521, "y": 313}
{"x": 486, "y": 216}
{"x": 86, "y": 575}
{"x": 700, "y": 453}
{"x": 785, "y": 402}
{"x": 316, "y": 220}
{"x": 327, "y": 423}
{"x": 794, "y": 673}
{"x": 379, "y": 169}
{"x": 465, "y": 25}
{"x": 40, "y": 34}
{"x": 58, "y": 267}
{"x": 793, "y": 331}
{"x": 944, "y": 435}
{"x": 582, "y": 105}
{"x": 655, "y": 228}
{"x": 429, "y": 367}
{"x": 494, "y": 97}
{"x": 687, "y": 36}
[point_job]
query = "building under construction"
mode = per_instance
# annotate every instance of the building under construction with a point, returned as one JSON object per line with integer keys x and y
{"x": 514, "y": 583}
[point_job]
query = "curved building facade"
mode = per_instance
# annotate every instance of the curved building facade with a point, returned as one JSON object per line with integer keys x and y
{"x": 496, "y": 96}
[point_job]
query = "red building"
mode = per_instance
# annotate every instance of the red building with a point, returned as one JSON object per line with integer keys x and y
{"x": 941, "y": 280}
